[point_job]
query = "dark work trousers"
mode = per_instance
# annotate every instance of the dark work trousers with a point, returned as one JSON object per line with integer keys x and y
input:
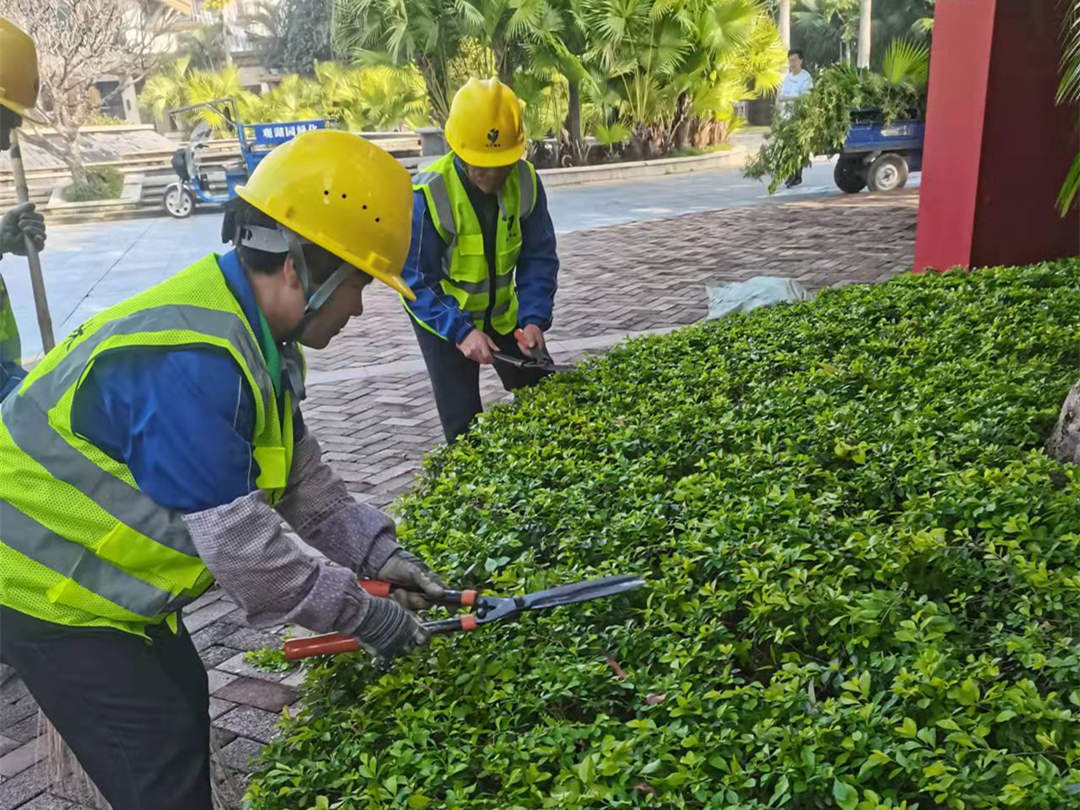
{"x": 455, "y": 379}
{"x": 134, "y": 712}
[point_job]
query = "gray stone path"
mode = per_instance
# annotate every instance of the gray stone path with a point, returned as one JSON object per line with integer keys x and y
{"x": 370, "y": 405}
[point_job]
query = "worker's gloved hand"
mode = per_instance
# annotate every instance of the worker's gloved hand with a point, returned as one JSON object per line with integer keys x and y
{"x": 389, "y": 631}
{"x": 20, "y": 221}
{"x": 423, "y": 586}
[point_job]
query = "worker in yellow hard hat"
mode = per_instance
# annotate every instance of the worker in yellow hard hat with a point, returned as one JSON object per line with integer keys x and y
{"x": 160, "y": 447}
{"x": 18, "y": 94}
{"x": 483, "y": 264}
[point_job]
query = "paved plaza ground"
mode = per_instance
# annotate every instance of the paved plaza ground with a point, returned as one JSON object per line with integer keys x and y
{"x": 370, "y": 404}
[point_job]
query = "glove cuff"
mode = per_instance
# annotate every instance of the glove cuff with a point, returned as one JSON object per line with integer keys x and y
{"x": 388, "y": 628}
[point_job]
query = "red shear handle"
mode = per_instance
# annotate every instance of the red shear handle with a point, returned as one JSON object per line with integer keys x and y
{"x": 330, "y": 644}
{"x": 377, "y": 587}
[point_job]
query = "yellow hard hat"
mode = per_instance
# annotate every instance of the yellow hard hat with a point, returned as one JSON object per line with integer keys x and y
{"x": 484, "y": 127}
{"x": 344, "y": 194}
{"x": 18, "y": 71}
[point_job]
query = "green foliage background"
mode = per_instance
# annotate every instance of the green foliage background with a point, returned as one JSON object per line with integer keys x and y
{"x": 863, "y": 575}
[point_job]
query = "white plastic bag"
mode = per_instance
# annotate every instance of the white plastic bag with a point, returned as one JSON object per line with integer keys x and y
{"x": 743, "y": 296}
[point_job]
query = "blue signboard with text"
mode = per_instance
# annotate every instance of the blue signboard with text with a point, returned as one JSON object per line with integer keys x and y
{"x": 273, "y": 134}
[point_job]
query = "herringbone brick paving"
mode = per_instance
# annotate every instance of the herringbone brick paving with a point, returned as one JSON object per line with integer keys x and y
{"x": 376, "y": 424}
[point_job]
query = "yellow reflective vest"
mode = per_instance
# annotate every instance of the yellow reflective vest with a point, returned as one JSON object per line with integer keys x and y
{"x": 10, "y": 347}
{"x": 467, "y": 276}
{"x": 80, "y": 544}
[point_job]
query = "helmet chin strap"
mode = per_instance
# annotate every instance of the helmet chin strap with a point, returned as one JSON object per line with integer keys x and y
{"x": 283, "y": 240}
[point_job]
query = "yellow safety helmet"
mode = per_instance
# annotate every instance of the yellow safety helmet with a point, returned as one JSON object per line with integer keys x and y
{"x": 18, "y": 71}
{"x": 484, "y": 127}
{"x": 342, "y": 193}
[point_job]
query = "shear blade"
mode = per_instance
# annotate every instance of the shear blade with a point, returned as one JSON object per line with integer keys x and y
{"x": 581, "y": 592}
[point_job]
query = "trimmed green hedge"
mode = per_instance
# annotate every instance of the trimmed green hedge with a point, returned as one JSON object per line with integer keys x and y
{"x": 863, "y": 575}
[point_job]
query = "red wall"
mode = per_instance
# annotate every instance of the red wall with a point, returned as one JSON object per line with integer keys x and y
{"x": 997, "y": 146}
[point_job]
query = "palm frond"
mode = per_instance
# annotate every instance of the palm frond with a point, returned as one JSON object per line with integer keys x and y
{"x": 906, "y": 62}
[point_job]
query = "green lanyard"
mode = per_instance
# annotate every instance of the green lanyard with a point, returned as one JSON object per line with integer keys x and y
{"x": 270, "y": 354}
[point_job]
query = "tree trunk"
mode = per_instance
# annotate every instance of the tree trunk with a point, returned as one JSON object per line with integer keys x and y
{"x": 72, "y": 158}
{"x": 67, "y": 151}
{"x": 435, "y": 84}
{"x": 783, "y": 22}
{"x": 865, "y": 11}
{"x": 573, "y": 121}
{"x": 677, "y": 137}
{"x": 1064, "y": 442}
{"x": 225, "y": 39}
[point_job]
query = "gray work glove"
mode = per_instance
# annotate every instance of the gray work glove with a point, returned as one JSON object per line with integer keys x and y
{"x": 21, "y": 221}
{"x": 410, "y": 572}
{"x": 389, "y": 631}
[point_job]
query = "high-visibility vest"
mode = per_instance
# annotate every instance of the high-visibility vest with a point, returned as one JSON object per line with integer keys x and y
{"x": 80, "y": 543}
{"x": 10, "y": 347}
{"x": 467, "y": 277}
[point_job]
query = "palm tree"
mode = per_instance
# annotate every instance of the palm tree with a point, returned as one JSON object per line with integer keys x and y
{"x": 827, "y": 27}
{"x": 865, "y": 19}
{"x": 783, "y": 22}
{"x": 165, "y": 89}
{"x": 674, "y": 63}
{"x": 425, "y": 33}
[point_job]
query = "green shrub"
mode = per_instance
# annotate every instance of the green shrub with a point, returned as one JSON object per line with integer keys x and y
{"x": 101, "y": 184}
{"x": 863, "y": 575}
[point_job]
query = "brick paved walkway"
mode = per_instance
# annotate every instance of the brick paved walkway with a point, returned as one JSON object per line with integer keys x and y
{"x": 370, "y": 404}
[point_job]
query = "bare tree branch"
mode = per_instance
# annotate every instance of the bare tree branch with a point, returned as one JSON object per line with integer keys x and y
{"x": 78, "y": 43}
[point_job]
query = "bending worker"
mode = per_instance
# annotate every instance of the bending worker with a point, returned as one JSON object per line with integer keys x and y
{"x": 482, "y": 264}
{"x": 18, "y": 93}
{"x": 160, "y": 446}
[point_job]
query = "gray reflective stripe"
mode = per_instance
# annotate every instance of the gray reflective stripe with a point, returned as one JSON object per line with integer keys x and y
{"x": 499, "y": 309}
{"x": 49, "y": 388}
{"x": 68, "y": 559}
{"x": 479, "y": 287}
{"x": 292, "y": 366}
{"x": 436, "y": 185}
{"x": 30, "y": 429}
{"x": 525, "y": 183}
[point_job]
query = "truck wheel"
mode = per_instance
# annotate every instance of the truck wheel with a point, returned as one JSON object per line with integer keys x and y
{"x": 178, "y": 201}
{"x": 888, "y": 173}
{"x": 850, "y": 175}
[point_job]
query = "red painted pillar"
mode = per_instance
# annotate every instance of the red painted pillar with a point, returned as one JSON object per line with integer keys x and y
{"x": 997, "y": 146}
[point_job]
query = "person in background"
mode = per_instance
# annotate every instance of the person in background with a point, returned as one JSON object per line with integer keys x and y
{"x": 18, "y": 95}
{"x": 797, "y": 84}
{"x": 482, "y": 263}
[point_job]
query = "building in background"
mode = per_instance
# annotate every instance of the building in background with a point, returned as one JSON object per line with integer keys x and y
{"x": 238, "y": 32}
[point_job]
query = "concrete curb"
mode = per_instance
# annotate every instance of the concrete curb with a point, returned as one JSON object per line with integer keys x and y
{"x": 580, "y": 175}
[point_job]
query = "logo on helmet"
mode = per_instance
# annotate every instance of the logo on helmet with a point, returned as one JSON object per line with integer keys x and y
{"x": 493, "y": 138}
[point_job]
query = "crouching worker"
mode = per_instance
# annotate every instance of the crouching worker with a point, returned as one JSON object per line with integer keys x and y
{"x": 158, "y": 448}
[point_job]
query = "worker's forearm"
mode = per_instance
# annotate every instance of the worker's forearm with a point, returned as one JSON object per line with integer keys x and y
{"x": 320, "y": 509}
{"x": 244, "y": 547}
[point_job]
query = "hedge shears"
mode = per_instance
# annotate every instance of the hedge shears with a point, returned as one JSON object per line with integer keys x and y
{"x": 538, "y": 358}
{"x": 486, "y": 609}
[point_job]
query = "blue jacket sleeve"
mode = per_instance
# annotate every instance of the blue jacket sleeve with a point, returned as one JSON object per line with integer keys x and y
{"x": 180, "y": 420}
{"x": 423, "y": 271}
{"x": 538, "y": 265}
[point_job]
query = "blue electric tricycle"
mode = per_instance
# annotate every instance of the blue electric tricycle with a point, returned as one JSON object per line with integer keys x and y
{"x": 877, "y": 155}
{"x": 256, "y": 140}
